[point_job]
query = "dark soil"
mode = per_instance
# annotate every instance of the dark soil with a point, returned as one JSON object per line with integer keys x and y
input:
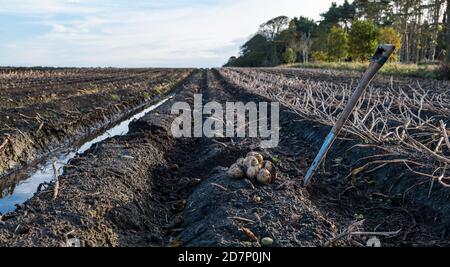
{"x": 150, "y": 189}
{"x": 107, "y": 197}
{"x": 42, "y": 109}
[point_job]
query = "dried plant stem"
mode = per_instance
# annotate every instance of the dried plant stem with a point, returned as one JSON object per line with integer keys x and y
{"x": 56, "y": 172}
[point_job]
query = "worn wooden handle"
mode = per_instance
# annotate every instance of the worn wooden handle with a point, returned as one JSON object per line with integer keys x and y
{"x": 378, "y": 60}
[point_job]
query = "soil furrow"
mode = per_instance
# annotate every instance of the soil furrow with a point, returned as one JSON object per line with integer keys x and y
{"x": 29, "y": 133}
{"x": 119, "y": 193}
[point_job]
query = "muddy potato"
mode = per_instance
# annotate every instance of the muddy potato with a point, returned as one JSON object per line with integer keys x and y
{"x": 240, "y": 162}
{"x": 264, "y": 176}
{"x": 268, "y": 166}
{"x": 267, "y": 242}
{"x": 258, "y": 156}
{"x": 251, "y": 162}
{"x": 252, "y": 172}
{"x": 272, "y": 169}
{"x": 235, "y": 172}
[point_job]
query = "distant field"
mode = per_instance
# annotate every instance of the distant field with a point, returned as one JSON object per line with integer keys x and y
{"x": 413, "y": 70}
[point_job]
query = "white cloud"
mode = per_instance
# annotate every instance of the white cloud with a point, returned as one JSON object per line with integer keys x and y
{"x": 44, "y": 7}
{"x": 97, "y": 33}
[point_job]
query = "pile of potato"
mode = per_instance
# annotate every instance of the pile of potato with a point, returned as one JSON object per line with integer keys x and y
{"x": 253, "y": 167}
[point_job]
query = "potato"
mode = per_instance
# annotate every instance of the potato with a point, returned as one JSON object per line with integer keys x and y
{"x": 252, "y": 172}
{"x": 268, "y": 166}
{"x": 267, "y": 242}
{"x": 272, "y": 169}
{"x": 258, "y": 156}
{"x": 264, "y": 176}
{"x": 235, "y": 172}
{"x": 240, "y": 162}
{"x": 251, "y": 162}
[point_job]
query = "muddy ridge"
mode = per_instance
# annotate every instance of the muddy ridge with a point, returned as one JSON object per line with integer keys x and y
{"x": 105, "y": 194}
{"x": 51, "y": 113}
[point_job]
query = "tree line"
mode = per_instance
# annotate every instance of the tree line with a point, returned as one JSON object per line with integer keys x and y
{"x": 350, "y": 32}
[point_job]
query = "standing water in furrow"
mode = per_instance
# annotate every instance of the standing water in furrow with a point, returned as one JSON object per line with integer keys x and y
{"x": 21, "y": 191}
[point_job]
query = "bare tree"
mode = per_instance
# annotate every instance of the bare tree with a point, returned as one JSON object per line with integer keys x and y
{"x": 435, "y": 12}
{"x": 305, "y": 46}
{"x": 273, "y": 27}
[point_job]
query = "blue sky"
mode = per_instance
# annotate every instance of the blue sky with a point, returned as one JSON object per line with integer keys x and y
{"x": 171, "y": 33}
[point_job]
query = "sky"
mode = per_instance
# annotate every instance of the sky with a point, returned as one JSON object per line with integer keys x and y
{"x": 136, "y": 33}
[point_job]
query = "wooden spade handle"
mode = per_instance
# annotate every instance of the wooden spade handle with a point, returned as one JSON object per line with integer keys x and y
{"x": 379, "y": 59}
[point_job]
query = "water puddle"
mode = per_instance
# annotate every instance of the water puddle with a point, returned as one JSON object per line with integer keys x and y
{"x": 25, "y": 182}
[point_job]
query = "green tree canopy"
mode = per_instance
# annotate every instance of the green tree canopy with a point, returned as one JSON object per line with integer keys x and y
{"x": 347, "y": 13}
{"x": 344, "y": 14}
{"x": 363, "y": 39}
{"x": 253, "y": 53}
{"x": 332, "y": 16}
{"x": 306, "y": 25}
{"x": 380, "y": 11}
{"x": 337, "y": 44}
{"x": 289, "y": 56}
{"x": 255, "y": 44}
{"x": 420, "y": 29}
{"x": 389, "y": 35}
